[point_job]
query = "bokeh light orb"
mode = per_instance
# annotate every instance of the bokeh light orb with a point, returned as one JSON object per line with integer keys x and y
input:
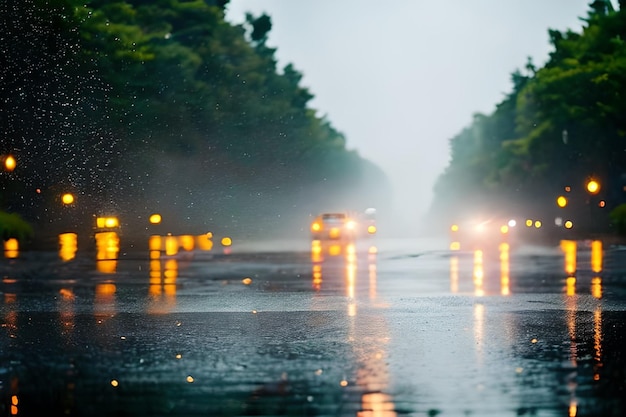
{"x": 10, "y": 163}
{"x": 67, "y": 198}
{"x": 593, "y": 186}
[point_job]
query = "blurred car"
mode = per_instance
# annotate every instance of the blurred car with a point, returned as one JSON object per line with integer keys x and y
{"x": 369, "y": 222}
{"x": 333, "y": 226}
{"x": 481, "y": 233}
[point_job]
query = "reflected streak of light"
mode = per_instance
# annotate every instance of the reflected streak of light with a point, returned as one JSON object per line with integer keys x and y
{"x": 596, "y": 287}
{"x": 596, "y": 256}
{"x": 163, "y": 276}
{"x": 372, "y": 276}
{"x": 66, "y": 309}
{"x": 11, "y": 248}
{"x": 573, "y": 409}
{"x": 317, "y": 276}
{"x": 170, "y": 274}
{"x": 569, "y": 249}
{"x": 351, "y": 278}
{"x": 373, "y": 271}
{"x": 171, "y": 245}
{"x": 108, "y": 246}
{"x": 107, "y": 266}
{"x": 154, "y": 243}
{"x": 105, "y": 298}
{"x": 505, "y": 288}
{"x": 14, "y": 404}
{"x": 68, "y": 246}
{"x": 377, "y": 404}
{"x": 479, "y": 325}
{"x": 570, "y": 286}
{"x": 316, "y": 251}
{"x": 572, "y": 307}
{"x": 454, "y": 274}
{"x": 597, "y": 341}
{"x": 478, "y": 274}
{"x": 10, "y": 322}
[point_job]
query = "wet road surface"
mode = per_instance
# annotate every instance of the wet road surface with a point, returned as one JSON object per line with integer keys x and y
{"x": 402, "y": 328}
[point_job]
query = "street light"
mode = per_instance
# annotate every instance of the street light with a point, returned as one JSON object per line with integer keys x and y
{"x": 67, "y": 199}
{"x": 593, "y": 186}
{"x": 9, "y": 163}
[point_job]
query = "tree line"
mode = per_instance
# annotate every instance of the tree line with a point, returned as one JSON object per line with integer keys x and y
{"x": 142, "y": 106}
{"x": 560, "y": 126}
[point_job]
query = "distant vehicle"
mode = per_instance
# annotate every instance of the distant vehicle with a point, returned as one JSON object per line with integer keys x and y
{"x": 481, "y": 233}
{"x": 333, "y": 226}
{"x": 369, "y": 222}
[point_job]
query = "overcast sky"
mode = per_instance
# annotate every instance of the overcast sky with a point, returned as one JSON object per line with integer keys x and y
{"x": 401, "y": 77}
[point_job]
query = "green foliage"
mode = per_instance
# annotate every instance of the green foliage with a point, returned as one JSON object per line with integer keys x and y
{"x": 12, "y": 225}
{"x": 561, "y": 124}
{"x": 144, "y": 105}
{"x": 618, "y": 219}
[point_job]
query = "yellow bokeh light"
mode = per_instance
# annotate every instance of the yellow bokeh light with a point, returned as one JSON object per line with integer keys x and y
{"x": 593, "y": 186}
{"x": 11, "y": 244}
{"x": 10, "y": 163}
{"x": 155, "y": 218}
{"x": 226, "y": 241}
{"x": 111, "y": 222}
{"x": 114, "y": 383}
{"x": 247, "y": 281}
{"x": 568, "y": 224}
{"x": 107, "y": 222}
{"x": 67, "y": 198}
{"x": 561, "y": 201}
{"x": 538, "y": 224}
{"x": 529, "y": 223}
{"x": 371, "y": 229}
{"x": 454, "y": 228}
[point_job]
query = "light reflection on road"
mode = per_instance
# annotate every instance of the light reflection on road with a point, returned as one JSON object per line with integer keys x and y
{"x": 369, "y": 339}
{"x": 484, "y": 284}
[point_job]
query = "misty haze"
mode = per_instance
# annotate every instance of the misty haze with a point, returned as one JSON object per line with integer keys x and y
{"x": 259, "y": 207}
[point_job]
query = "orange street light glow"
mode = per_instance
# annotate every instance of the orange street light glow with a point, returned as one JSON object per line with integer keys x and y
{"x": 10, "y": 163}
{"x": 593, "y": 186}
{"x": 67, "y": 198}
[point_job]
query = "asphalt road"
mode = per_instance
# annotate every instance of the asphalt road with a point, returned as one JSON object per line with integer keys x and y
{"x": 381, "y": 329}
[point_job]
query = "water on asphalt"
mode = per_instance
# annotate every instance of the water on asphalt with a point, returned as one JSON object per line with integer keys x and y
{"x": 382, "y": 329}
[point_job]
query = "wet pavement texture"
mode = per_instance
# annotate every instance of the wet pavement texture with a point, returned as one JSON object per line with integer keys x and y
{"x": 407, "y": 329}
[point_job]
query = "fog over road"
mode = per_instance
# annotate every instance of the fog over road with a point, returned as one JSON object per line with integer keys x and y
{"x": 380, "y": 328}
